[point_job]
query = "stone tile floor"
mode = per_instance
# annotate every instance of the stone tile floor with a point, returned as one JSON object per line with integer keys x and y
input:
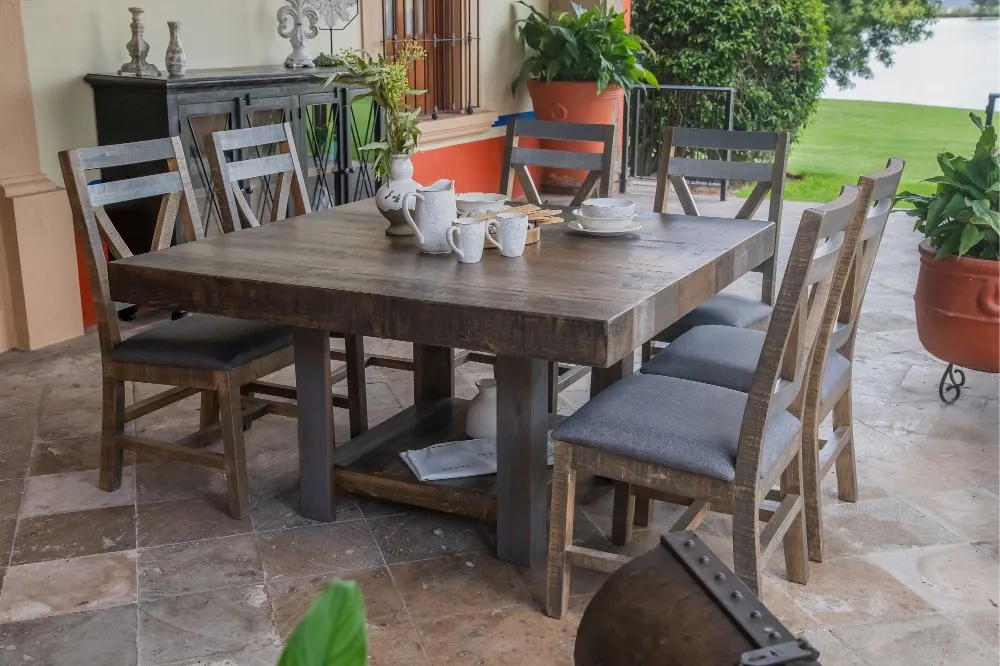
{"x": 156, "y": 574}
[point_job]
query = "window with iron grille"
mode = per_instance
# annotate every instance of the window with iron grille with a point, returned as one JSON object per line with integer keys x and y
{"x": 449, "y": 33}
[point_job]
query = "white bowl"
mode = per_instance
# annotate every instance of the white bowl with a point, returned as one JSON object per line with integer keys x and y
{"x": 603, "y": 223}
{"x": 608, "y": 208}
{"x": 470, "y": 202}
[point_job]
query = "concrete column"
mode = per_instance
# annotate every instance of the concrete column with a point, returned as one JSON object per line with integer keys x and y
{"x": 39, "y": 285}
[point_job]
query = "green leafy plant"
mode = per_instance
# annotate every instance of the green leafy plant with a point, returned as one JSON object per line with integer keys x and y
{"x": 774, "y": 52}
{"x": 387, "y": 80}
{"x": 962, "y": 218}
{"x": 583, "y": 45}
{"x": 332, "y": 632}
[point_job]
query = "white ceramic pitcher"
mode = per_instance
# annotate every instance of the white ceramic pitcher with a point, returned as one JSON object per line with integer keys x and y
{"x": 435, "y": 211}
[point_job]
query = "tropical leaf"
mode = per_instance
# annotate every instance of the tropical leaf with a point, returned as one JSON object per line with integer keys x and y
{"x": 332, "y": 633}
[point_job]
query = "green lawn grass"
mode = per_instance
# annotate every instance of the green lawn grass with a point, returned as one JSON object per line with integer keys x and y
{"x": 845, "y": 139}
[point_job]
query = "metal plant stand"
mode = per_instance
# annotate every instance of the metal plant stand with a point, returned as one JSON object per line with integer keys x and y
{"x": 950, "y": 387}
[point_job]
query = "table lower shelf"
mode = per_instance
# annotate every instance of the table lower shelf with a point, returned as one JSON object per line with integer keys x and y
{"x": 369, "y": 465}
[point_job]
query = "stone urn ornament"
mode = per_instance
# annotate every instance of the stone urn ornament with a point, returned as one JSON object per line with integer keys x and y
{"x": 138, "y": 48}
{"x": 176, "y": 60}
{"x": 297, "y": 23}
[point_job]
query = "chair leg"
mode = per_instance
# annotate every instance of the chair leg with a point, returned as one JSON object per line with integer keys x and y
{"x": 553, "y": 388}
{"x": 847, "y": 472}
{"x": 561, "y": 511}
{"x": 794, "y": 542}
{"x": 357, "y": 395}
{"x": 622, "y": 513}
{"x": 112, "y": 425}
{"x": 746, "y": 542}
{"x": 647, "y": 352}
{"x": 230, "y": 407}
{"x": 643, "y": 509}
{"x": 812, "y": 493}
{"x": 209, "y": 409}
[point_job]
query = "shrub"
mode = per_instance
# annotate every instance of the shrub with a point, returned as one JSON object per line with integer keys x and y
{"x": 773, "y": 51}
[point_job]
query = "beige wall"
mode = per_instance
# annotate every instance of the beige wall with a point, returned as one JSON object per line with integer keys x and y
{"x": 66, "y": 39}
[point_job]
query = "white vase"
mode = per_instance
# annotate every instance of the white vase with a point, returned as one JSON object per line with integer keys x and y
{"x": 177, "y": 63}
{"x": 481, "y": 420}
{"x": 389, "y": 198}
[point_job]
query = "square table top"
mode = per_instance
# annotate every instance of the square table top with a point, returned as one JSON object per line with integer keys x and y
{"x": 572, "y": 297}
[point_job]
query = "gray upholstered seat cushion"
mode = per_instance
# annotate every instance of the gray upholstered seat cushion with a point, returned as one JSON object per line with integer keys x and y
{"x": 205, "y": 342}
{"x": 728, "y": 357}
{"x": 724, "y": 310}
{"x": 676, "y": 423}
{"x": 719, "y": 355}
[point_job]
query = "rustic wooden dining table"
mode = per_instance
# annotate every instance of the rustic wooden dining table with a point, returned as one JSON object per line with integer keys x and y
{"x": 571, "y": 298}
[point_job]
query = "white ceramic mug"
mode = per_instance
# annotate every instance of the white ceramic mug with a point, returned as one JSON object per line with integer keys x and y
{"x": 466, "y": 237}
{"x": 512, "y": 233}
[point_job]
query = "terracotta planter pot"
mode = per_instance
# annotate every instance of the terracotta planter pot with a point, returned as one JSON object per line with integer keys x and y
{"x": 958, "y": 310}
{"x": 573, "y": 102}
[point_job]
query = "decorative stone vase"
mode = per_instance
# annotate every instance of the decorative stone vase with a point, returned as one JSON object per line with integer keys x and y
{"x": 481, "y": 419}
{"x": 573, "y": 102}
{"x": 176, "y": 59}
{"x": 958, "y": 309}
{"x": 389, "y": 198}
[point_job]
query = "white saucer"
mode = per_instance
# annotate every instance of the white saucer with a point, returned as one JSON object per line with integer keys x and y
{"x": 576, "y": 226}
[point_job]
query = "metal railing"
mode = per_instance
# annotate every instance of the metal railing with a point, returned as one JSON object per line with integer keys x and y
{"x": 651, "y": 109}
{"x": 991, "y": 106}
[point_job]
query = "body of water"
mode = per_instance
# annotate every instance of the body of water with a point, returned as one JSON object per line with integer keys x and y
{"x": 958, "y": 67}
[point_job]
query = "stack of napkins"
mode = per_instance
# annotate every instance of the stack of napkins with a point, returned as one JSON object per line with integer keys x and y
{"x": 456, "y": 460}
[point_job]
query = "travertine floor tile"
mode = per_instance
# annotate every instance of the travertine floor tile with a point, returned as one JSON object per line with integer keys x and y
{"x": 168, "y": 480}
{"x": 878, "y": 525}
{"x": 65, "y": 455}
{"x": 395, "y": 644}
{"x": 926, "y": 641}
{"x": 74, "y": 491}
{"x": 7, "y": 529}
{"x": 192, "y": 519}
{"x": 275, "y": 505}
{"x": 444, "y": 586}
{"x": 225, "y": 626}
{"x": 854, "y": 591}
{"x": 513, "y": 635}
{"x": 951, "y": 578}
{"x": 99, "y": 637}
{"x": 198, "y": 566}
{"x": 292, "y": 597}
{"x": 18, "y": 433}
{"x": 832, "y": 651}
{"x": 66, "y": 586}
{"x": 65, "y": 535}
{"x": 317, "y": 549}
{"x": 971, "y": 513}
{"x": 10, "y": 498}
{"x": 426, "y": 534}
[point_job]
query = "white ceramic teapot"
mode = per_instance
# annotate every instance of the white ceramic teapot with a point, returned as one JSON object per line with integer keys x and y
{"x": 434, "y": 213}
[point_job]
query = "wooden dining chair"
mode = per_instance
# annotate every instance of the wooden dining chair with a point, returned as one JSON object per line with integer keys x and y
{"x": 702, "y": 148}
{"x": 197, "y": 353}
{"x": 727, "y": 356}
{"x": 264, "y": 163}
{"x": 720, "y": 448}
{"x": 517, "y": 159}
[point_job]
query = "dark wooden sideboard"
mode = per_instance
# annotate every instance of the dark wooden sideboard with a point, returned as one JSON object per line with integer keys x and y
{"x": 328, "y": 123}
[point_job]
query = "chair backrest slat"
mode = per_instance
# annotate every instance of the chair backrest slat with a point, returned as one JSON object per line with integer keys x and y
{"x": 94, "y": 228}
{"x": 720, "y": 169}
{"x": 823, "y": 233}
{"x": 517, "y": 159}
{"x": 282, "y": 163}
{"x": 716, "y": 139}
{"x": 673, "y": 169}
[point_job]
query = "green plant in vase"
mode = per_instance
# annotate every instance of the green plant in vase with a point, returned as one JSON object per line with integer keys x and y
{"x": 387, "y": 79}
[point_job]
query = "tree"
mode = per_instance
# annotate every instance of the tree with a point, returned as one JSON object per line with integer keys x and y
{"x": 860, "y": 31}
{"x": 773, "y": 51}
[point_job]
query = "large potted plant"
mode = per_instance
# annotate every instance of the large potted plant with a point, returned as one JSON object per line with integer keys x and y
{"x": 582, "y": 63}
{"x": 386, "y": 78}
{"x": 958, "y": 290}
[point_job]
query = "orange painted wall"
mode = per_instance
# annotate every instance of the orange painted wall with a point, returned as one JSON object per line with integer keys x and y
{"x": 474, "y": 166}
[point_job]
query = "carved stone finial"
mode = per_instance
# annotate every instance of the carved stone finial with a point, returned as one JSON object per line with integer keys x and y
{"x": 138, "y": 49}
{"x": 297, "y": 23}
